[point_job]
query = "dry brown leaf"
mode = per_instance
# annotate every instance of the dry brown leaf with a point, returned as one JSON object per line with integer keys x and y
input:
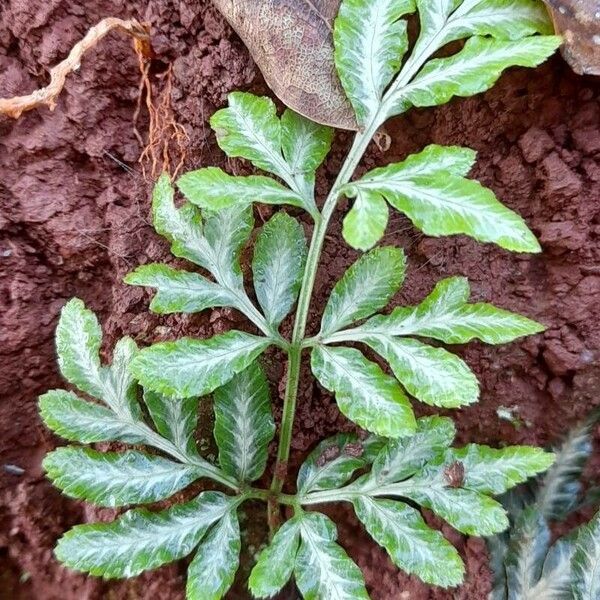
{"x": 578, "y": 21}
{"x": 291, "y": 41}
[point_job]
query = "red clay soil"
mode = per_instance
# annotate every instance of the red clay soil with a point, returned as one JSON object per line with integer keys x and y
{"x": 74, "y": 219}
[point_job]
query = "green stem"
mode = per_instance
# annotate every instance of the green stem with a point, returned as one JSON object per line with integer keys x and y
{"x": 267, "y": 496}
{"x": 246, "y": 307}
{"x": 327, "y": 496}
{"x": 423, "y": 49}
{"x": 359, "y": 147}
{"x": 287, "y": 418}
{"x": 372, "y": 490}
{"x": 208, "y": 469}
{"x": 361, "y": 141}
{"x": 356, "y": 334}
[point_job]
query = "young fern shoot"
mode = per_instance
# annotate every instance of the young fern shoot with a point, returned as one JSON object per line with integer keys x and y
{"x": 398, "y": 462}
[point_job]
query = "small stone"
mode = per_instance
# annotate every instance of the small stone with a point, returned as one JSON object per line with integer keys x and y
{"x": 587, "y": 140}
{"x": 559, "y": 359}
{"x": 560, "y": 179}
{"x": 562, "y": 234}
{"x": 14, "y": 469}
{"x": 556, "y": 388}
{"x": 535, "y": 144}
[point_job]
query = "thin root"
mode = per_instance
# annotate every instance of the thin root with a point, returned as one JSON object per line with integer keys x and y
{"x": 46, "y": 96}
{"x": 167, "y": 142}
{"x": 166, "y": 137}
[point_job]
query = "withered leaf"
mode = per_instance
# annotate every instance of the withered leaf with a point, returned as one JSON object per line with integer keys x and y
{"x": 578, "y": 21}
{"x": 291, "y": 41}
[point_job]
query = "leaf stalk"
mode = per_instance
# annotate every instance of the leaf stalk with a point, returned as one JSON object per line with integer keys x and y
{"x": 298, "y": 342}
{"x": 358, "y": 149}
